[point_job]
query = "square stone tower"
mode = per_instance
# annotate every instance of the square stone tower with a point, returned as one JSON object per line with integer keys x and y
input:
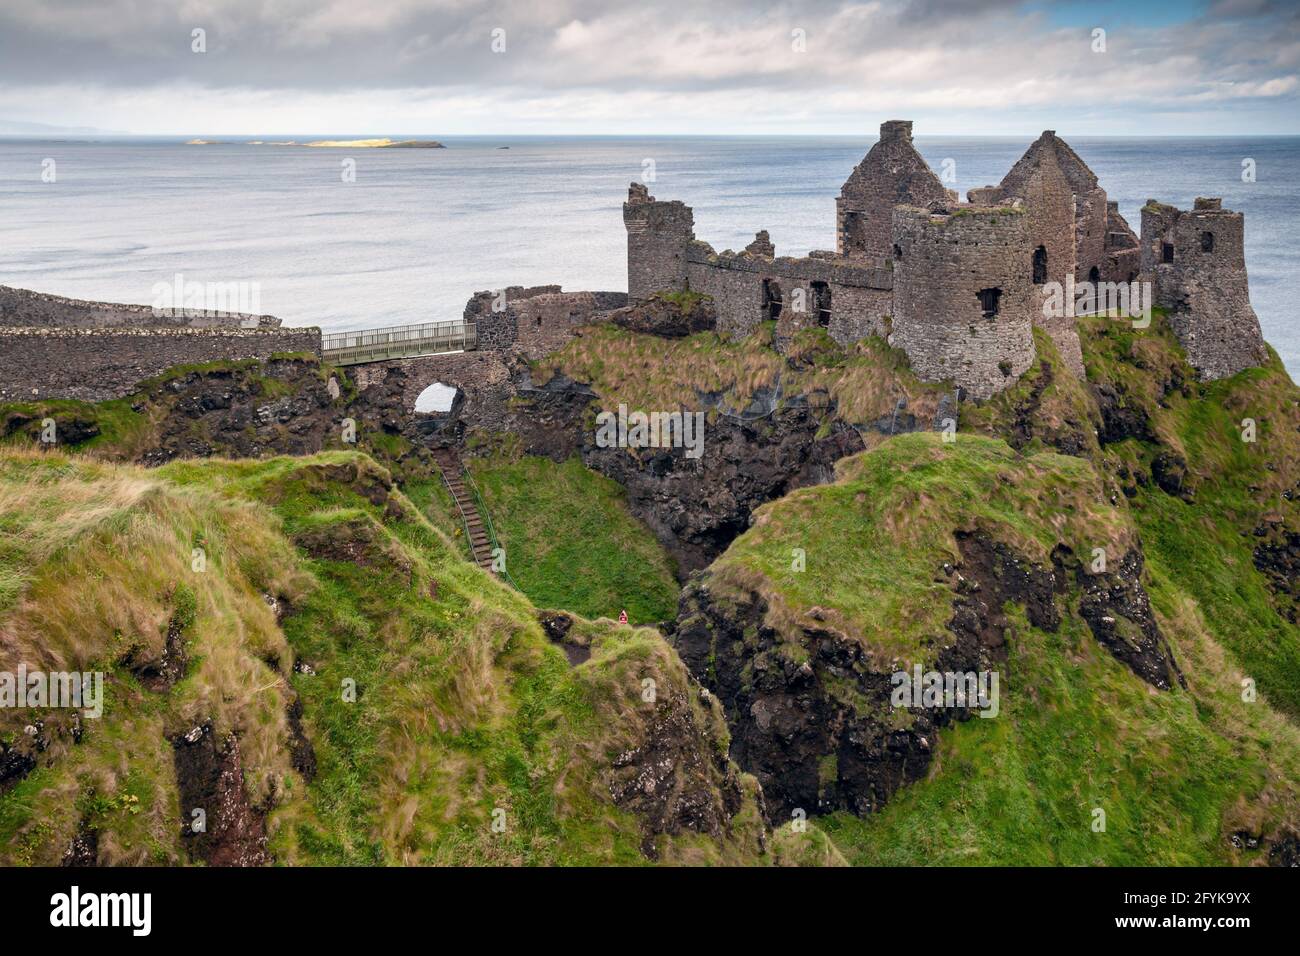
{"x": 1197, "y": 260}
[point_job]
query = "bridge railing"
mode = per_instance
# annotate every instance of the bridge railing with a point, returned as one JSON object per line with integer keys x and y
{"x": 398, "y": 341}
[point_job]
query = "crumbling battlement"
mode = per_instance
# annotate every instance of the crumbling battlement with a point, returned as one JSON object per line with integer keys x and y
{"x": 657, "y": 234}
{"x": 849, "y": 298}
{"x": 536, "y": 320}
{"x": 1197, "y": 261}
{"x": 964, "y": 304}
{"x": 23, "y": 308}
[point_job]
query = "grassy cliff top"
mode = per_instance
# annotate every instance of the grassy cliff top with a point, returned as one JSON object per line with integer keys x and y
{"x": 319, "y": 579}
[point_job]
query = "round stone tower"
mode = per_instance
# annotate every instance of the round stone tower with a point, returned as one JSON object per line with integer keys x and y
{"x": 963, "y": 294}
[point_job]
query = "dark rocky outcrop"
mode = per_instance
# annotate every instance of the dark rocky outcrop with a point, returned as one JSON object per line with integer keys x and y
{"x": 557, "y": 626}
{"x": 811, "y": 715}
{"x": 279, "y": 407}
{"x": 210, "y": 777}
{"x": 16, "y": 762}
{"x": 697, "y": 507}
{"x": 675, "y": 778}
{"x": 668, "y": 318}
{"x": 1118, "y": 612}
{"x": 1169, "y": 472}
{"x": 84, "y": 849}
{"x": 1121, "y": 417}
{"x": 70, "y": 428}
{"x": 159, "y": 671}
{"x": 302, "y": 755}
{"x": 1277, "y": 557}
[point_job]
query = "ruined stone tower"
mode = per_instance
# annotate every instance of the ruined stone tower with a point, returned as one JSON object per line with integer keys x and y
{"x": 963, "y": 299}
{"x": 657, "y": 236}
{"x": 891, "y": 174}
{"x": 1039, "y": 180}
{"x": 1197, "y": 261}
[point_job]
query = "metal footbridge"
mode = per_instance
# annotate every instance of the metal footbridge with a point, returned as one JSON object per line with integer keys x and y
{"x": 398, "y": 341}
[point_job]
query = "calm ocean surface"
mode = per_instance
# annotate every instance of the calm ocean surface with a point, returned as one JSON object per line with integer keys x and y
{"x": 420, "y": 230}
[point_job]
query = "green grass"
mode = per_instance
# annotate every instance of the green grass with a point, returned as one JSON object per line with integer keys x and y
{"x": 570, "y": 541}
{"x": 1175, "y": 772}
{"x": 870, "y": 543}
{"x": 463, "y": 708}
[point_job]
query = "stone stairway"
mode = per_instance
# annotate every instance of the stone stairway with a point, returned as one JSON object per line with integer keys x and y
{"x": 453, "y": 474}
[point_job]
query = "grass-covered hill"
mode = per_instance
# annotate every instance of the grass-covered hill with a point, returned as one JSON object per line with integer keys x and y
{"x": 292, "y": 648}
{"x": 920, "y": 543}
{"x": 340, "y": 685}
{"x": 891, "y": 580}
{"x": 569, "y": 537}
{"x": 868, "y": 384}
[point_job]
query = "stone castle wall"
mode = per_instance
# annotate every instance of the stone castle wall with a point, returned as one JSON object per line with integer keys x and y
{"x": 535, "y": 320}
{"x": 860, "y": 293}
{"x": 94, "y": 364}
{"x": 1050, "y": 220}
{"x": 1197, "y": 260}
{"x": 22, "y": 308}
{"x": 943, "y": 262}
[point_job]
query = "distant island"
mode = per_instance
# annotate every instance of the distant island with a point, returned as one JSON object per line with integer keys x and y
{"x": 336, "y": 143}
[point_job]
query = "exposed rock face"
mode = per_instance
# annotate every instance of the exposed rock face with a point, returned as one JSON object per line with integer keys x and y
{"x": 697, "y": 507}
{"x": 69, "y": 427}
{"x": 16, "y": 762}
{"x": 281, "y": 407}
{"x": 816, "y": 725}
{"x": 1067, "y": 436}
{"x": 1118, "y": 611}
{"x": 1121, "y": 417}
{"x": 676, "y": 778}
{"x": 159, "y": 670}
{"x": 301, "y": 753}
{"x": 211, "y": 778}
{"x": 1277, "y": 557}
{"x": 811, "y": 715}
{"x": 84, "y": 849}
{"x": 557, "y": 625}
{"x": 662, "y": 317}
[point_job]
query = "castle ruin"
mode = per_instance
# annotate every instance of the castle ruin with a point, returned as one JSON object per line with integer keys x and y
{"x": 960, "y": 286}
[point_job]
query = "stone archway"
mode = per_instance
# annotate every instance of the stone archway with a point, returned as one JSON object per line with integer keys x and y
{"x": 479, "y": 380}
{"x": 437, "y": 399}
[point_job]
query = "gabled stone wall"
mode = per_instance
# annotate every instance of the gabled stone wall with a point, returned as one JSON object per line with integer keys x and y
{"x": 892, "y": 173}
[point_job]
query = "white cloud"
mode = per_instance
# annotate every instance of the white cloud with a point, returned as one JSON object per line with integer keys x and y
{"x": 637, "y": 65}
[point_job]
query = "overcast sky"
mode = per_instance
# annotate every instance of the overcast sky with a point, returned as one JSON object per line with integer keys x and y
{"x": 411, "y": 67}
